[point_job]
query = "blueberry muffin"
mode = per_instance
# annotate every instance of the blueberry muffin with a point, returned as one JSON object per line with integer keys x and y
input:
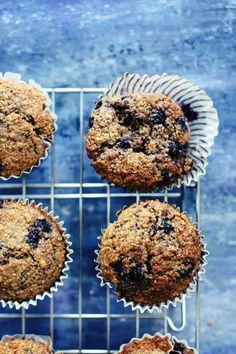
{"x": 26, "y": 126}
{"x": 25, "y": 346}
{"x": 139, "y": 141}
{"x": 151, "y": 253}
{"x": 32, "y": 251}
{"x": 156, "y": 345}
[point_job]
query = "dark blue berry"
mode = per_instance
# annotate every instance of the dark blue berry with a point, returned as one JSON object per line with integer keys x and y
{"x": 166, "y": 226}
{"x": 135, "y": 274}
{"x": 186, "y": 271}
{"x": 98, "y": 104}
{"x": 119, "y": 269}
{"x": 123, "y": 274}
{"x": 157, "y": 117}
{"x": 173, "y": 149}
{"x": 181, "y": 122}
{"x": 30, "y": 120}
{"x": 189, "y": 112}
{"x": 182, "y": 273}
{"x": 124, "y": 144}
{"x": 128, "y": 120}
{"x": 185, "y": 148}
{"x": 165, "y": 177}
{"x": 91, "y": 122}
{"x": 36, "y": 233}
{"x": 43, "y": 225}
{"x": 33, "y": 237}
{"x": 179, "y": 348}
{"x": 148, "y": 264}
{"x": 140, "y": 148}
{"x": 1, "y": 167}
{"x": 1, "y": 204}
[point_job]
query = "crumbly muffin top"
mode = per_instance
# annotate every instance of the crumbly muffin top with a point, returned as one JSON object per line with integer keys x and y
{"x": 156, "y": 345}
{"x": 139, "y": 141}
{"x": 24, "y": 346}
{"x": 32, "y": 251}
{"x": 151, "y": 253}
{"x": 25, "y": 124}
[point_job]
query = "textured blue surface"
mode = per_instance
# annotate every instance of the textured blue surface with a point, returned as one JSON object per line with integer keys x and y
{"x": 90, "y": 43}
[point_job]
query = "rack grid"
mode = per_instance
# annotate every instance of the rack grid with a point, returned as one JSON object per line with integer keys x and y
{"x": 83, "y": 190}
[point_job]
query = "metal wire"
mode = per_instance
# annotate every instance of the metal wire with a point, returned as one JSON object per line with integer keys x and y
{"x": 53, "y": 192}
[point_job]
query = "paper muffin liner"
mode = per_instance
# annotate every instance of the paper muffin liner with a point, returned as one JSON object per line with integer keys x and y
{"x": 168, "y": 335}
{"x": 164, "y": 304}
{"x": 203, "y": 129}
{"x": 64, "y": 273}
{"x": 17, "y": 77}
{"x": 34, "y": 337}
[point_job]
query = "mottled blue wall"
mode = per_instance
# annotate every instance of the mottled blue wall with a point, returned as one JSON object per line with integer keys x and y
{"x": 90, "y": 43}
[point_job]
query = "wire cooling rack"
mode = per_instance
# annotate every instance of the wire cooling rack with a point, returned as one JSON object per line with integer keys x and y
{"x": 84, "y": 189}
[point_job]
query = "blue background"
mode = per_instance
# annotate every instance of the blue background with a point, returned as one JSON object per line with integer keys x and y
{"x": 89, "y": 44}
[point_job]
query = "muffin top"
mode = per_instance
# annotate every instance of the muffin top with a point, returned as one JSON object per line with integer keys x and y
{"x": 25, "y": 124}
{"x": 24, "y": 346}
{"x": 156, "y": 345}
{"x": 151, "y": 253}
{"x": 32, "y": 251}
{"x": 139, "y": 141}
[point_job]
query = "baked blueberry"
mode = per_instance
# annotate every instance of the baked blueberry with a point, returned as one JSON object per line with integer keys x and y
{"x": 157, "y": 117}
{"x": 1, "y": 167}
{"x": 179, "y": 348}
{"x": 186, "y": 271}
{"x": 98, "y": 104}
{"x": 33, "y": 237}
{"x": 166, "y": 226}
{"x": 181, "y": 122}
{"x": 189, "y": 112}
{"x": 124, "y": 144}
{"x": 128, "y": 120}
{"x": 91, "y": 122}
{"x": 43, "y": 225}
{"x": 173, "y": 149}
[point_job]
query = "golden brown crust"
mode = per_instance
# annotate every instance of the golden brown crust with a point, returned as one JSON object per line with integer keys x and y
{"x": 25, "y": 124}
{"x": 151, "y": 253}
{"x": 139, "y": 141}
{"x": 156, "y": 345}
{"x": 32, "y": 251}
{"x": 24, "y": 346}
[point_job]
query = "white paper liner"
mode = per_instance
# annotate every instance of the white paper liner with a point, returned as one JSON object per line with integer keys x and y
{"x": 41, "y": 339}
{"x": 158, "y": 307}
{"x": 168, "y": 335}
{"x": 17, "y": 77}
{"x": 64, "y": 273}
{"x": 203, "y": 130}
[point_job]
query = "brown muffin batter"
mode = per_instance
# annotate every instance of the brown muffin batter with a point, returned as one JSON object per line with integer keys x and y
{"x": 32, "y": 251}
{"x": 25, "y": 124}
{"x": 139, "y": 141}
{"x": 151, "y": 253}
{"x": 24, "y": 346}
{"x": 156, "y": 345}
